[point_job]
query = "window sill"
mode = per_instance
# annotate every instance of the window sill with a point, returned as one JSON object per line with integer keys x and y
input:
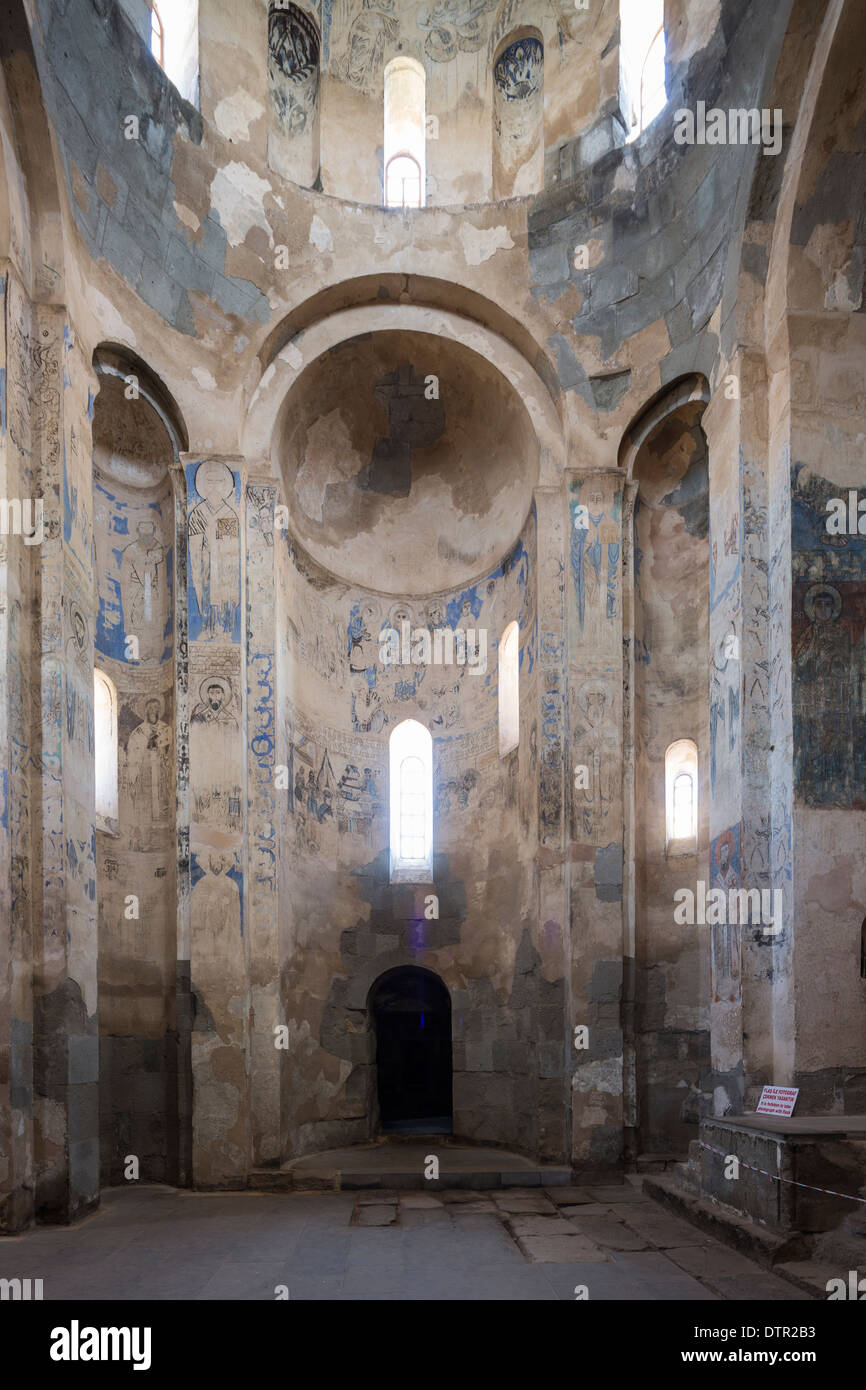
{"x": 681, "y": 849}
{"x": 409, "y": 873}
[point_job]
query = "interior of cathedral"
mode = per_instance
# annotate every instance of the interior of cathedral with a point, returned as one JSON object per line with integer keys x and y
{"x": 433, "y": 650}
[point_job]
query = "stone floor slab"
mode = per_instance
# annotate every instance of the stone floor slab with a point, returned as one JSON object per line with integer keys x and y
{"x": 539, "y": 1224}
{"x": 609, "y": 1233}
{"x": 710, "y": 1261}
{"x": 509, "y": 1202}
{"x": 377, "y": 1215}
{"x": 561, "y": 1249}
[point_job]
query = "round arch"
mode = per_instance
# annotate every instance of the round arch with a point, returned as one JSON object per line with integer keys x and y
{"x": 409, "y": 1012}
{"x": 325, "y": 334}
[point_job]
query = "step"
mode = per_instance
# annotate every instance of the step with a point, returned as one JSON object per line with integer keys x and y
{"x": 403, "y": 1165}
{"x": 758, "y": 1242}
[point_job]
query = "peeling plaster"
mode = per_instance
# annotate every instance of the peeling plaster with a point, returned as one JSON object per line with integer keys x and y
{"x": 204, "y": 378}
{"x": 234, "y": 115}
{"x": 320, "y": 235}
{"x": 237, "y": 196}
{"x": 480, "y": 243}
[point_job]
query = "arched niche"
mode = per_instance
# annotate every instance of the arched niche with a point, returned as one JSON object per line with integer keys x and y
{"x": 409, "y": 1010}
{"x": 518, "y": 115}
{"x": 665, "y": 450}
{"x": 294, "y": 86}
{"x": 137, "y": 439}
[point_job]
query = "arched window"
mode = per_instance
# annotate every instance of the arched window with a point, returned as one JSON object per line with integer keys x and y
{"x": 681, "y": 796}
{"x": 157, "y": 36}
{"x": 411, "y": 765}
{"x": 652, "y": 80}
{"x": 642, "y": 62}
{"x": 403, "y": 182}
{"x": 174, "y": 43}
{"x": 509, "y": 689}
{"x": 405, "y": 160}
{"x": 105, "y": 750}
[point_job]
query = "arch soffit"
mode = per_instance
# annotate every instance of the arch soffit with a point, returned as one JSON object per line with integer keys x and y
{"x": 382, "y": 980}
{"x": 110, "y": 359}
{"x": 778, "y": 269}
{"x": 288, "y": 363}
{"x": 693, "y": 387}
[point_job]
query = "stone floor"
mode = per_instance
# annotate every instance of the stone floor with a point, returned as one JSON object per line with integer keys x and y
{"x": 160, "y": 1243}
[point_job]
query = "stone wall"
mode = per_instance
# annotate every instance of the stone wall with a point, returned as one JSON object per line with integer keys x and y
{"x": 347, "y": 923}
{"x": 134, "y": 564}
{"x": 312, "y": 488}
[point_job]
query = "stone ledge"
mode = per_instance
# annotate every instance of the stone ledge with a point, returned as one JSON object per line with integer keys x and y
{"x": 759, "y": 1243}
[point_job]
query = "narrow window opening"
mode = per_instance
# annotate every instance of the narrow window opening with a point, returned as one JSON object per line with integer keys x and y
{"x": 411, "y": 766}
{"x": 509, "y": 689}
{"x": 681, "y": 797}
{"x": 405, "y": 157}
{"x": 174, "y": 43}
{"x": 642, "y": 62}
{"x": 157, "y": 36}
{"x": 105, "y": 751}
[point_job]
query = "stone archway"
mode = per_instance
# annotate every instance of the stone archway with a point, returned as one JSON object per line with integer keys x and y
{"x": 409, "y": 1012}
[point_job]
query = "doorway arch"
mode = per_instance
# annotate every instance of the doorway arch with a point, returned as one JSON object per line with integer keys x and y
{"x": 410, "y": 1016}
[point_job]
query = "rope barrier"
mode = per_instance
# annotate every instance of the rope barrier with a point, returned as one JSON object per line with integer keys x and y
{"x": 777, "y": 1178}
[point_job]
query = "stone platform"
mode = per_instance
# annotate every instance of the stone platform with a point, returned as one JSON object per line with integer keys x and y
{"x": 400, "y": 1163}
{"x": 808, "y": 1152}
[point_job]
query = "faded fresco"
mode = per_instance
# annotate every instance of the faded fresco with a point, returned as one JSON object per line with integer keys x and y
{"x": 134, "y": 566}
{"x": 828, "y": 633}
{"x": 214, "y": 552}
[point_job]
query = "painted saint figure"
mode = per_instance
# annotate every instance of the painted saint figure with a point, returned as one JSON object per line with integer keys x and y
{"x": 148, "y": 762}
{"x": 214, "y": 549}
{"x": 822, "y": 697}
{"x": 725, "y": 935}
{"x": 142, "y": 590}
{"x": 214, "y": 704}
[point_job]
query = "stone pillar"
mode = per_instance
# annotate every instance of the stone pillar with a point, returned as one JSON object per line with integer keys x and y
{"x": 554, "y": 1095}
{"x": 629, "y": 951}
{"x": 721, "y": 425}
{"x": 218, "y": 937}
{"x": 265, "y": 786}
{"x": 183, "y": 999}
{"x": 768, "y": 1018}
{"x": 18, "y": 562}
{"x": 65, "y": 1035}
{"x": 749, "y": 790}
{"x": 594, "y": 628}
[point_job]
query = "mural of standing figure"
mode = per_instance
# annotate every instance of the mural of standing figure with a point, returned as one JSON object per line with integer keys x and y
{"x": 822, "y": 697}
{"x": 214, "y": 547}
{"x": 148, "y": 762}
{"x": 142, "y": 590}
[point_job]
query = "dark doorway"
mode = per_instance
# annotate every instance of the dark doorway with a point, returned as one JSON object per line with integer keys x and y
{"x": 411, "y": 1015}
